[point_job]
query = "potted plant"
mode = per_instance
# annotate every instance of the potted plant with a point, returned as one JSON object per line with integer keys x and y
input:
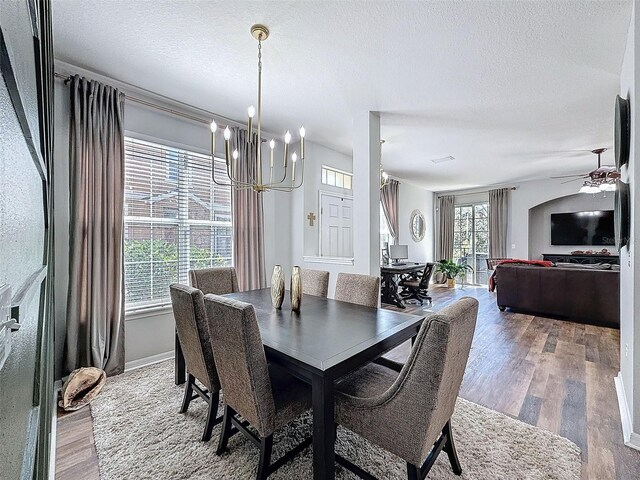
{"x": 451, "y": 270}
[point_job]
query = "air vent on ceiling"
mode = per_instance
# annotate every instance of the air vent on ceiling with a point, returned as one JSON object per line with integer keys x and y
{"x": 443, "y": 159}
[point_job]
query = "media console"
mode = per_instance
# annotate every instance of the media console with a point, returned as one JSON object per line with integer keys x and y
{"x": 585, "y": 258}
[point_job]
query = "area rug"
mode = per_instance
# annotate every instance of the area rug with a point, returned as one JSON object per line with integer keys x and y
{"x": 139, "y": 434}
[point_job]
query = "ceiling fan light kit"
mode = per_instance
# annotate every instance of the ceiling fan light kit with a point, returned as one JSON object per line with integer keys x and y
{"x": 602, "y": 179}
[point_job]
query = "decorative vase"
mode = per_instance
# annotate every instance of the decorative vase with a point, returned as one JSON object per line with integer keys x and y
{"x": 296, "y": 288}
{"x": 451, "y": 282}
{"x": 277, "y": 286}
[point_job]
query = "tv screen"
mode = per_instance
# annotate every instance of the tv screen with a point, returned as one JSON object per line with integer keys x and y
{"x": 583, "y": 228}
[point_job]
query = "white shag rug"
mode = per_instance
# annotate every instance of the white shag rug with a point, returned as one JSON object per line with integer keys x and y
{"x": 139, "y": 434}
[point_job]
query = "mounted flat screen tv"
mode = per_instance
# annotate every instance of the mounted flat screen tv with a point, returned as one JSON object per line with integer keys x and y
{"x": 583, "y": 228}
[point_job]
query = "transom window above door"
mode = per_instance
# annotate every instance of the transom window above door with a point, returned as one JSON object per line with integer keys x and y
{"x": 336, "y": 178}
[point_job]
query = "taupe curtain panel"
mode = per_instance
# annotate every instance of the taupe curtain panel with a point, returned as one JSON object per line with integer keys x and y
{"x": 389, "y": 200}
{"x": 498, "y": 222}
{"x": 95, "y": 299}
{"x": 445, "y": 232}
{"x": 248, "y": 217}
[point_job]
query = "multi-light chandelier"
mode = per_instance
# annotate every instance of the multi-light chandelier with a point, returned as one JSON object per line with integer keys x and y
{"x": 255, "y": 181}
{"x": 602, "y": 179}
{"x": 384, "y": 176}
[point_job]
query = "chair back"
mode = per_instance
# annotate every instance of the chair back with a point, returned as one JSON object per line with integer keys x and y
{"x": 492, "y": 263}
{"x": 358, "y": 289}
{"x": 241, "y": 361}
{"x": 426, "y": 275}
{"x": 428, "y": 385}
{"x": 218, "y": 280}
{"x": 315, "y": 282}
{"x": 193, "y": 333}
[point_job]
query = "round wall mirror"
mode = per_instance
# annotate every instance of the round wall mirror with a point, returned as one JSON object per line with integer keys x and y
{"x": 417, "y": 225}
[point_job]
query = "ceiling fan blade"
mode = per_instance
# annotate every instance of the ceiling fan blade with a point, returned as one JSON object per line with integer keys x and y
{"x": 581, "y": 175}
{"x": 569, "y": 181}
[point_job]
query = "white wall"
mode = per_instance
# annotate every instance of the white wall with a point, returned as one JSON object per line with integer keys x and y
{"x": 149, "y": 333}
{"x": 410, "y": 198}
{"x": 540, "y": 222}
{"x": 629, "y": 267}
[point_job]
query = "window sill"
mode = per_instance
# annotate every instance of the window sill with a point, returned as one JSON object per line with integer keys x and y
{"x": 329, "y": 260}
{"x": 144, "y": 312}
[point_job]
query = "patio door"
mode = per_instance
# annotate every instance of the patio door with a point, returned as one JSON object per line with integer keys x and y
{"x": 471, "y": 240}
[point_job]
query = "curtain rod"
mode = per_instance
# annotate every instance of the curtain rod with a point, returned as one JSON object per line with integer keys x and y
{"x": 67, "y": 78}
{"x": 474, "y": 193}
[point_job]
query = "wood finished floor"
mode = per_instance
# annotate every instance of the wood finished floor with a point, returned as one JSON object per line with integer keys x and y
{"x": 554, "y": 374}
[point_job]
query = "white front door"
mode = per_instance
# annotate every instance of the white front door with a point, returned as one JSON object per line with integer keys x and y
{"x": 336, "y": 224}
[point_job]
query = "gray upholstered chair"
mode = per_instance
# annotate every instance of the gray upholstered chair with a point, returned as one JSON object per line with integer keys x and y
{"x": 315, "y": 282}
{"x": 267, "y": 398}
{"x": 358, "y": 289}
{"x": 218, "y": 280}
{"x": 407, "y": 409}
{"x": 193, "y": 333}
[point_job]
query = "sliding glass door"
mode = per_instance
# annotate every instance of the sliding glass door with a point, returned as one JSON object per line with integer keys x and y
{"x": 471, "y": 240}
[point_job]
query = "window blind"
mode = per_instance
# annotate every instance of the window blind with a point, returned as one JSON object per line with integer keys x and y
{"x": 175, "y": 219}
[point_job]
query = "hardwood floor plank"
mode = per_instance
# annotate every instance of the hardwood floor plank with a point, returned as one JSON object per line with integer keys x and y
{"x": 530, "y": 409}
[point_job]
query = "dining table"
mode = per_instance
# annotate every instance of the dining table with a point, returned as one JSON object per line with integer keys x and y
{"x": 326, "y": 340}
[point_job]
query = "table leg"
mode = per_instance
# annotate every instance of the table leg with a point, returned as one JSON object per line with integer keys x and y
{"x": 324, "y": 428}
{"x": 180, "y": 368}
{"x": 390, "y": 290}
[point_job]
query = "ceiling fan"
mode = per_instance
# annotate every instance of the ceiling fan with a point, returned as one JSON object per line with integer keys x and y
{"x": 602, "y": 179}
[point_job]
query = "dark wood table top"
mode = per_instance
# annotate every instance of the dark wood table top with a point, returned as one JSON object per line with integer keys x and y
{"x": 407, "y": 267}
{"x": 327, "y": 333}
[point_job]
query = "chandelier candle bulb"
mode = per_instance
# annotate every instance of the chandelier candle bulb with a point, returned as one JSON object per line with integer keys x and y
{"x": 251, "y": 111}
{"x": 294, "y": 158}
{"x": 227, "y": 145}
{"x": 287, "y": 139}
{"x": 302, "y": 134}
{"x": 214, "y": 129}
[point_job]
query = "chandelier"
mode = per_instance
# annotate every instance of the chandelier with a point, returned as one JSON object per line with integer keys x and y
{"x": 384, "y": 176}
{"x": 602, "y": 179}
{"x": 255, "y": 182}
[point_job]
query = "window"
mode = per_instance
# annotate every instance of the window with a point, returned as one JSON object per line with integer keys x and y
{"x": 471, "y": 240}
{"x": 336, "y": 178}
{"x": 385, "y": 235}
{"x": 175, "y": 219}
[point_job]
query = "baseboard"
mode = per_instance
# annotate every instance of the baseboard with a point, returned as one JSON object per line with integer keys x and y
{"x": 146, "y": 361}
{"x": 630, "y": 438}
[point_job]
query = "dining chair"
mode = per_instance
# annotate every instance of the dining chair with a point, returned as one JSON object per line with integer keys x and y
{"x": 315, "y": 282}
{"x": 418, "y": 289}
{"x": 406, "y": 409}
{"x": 267, "y": 398}
{"x": 218, "y": 280}
{"x": 193, "y": 333}
{"x": 358, "y": 289}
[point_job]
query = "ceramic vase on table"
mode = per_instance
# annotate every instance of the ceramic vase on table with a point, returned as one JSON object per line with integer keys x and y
{"x": 277, "y": 286}
{"x": 296, "y": 288}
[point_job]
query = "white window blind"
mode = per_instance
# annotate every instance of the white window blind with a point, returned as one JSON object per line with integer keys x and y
{"x": 175, "y": 219}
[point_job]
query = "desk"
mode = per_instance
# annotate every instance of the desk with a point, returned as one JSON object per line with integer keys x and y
{"x": 322, "y": 343}
{"x": 389, "y": 286}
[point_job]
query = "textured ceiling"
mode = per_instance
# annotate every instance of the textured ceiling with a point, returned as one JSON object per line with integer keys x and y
{"x": 510, "y": 89}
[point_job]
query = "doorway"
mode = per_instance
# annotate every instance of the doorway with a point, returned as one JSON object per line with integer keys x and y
{"x": 471, "y": 240}
{"x": 336, "y": 225}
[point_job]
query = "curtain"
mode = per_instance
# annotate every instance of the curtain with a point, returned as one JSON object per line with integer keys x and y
{"x": 95, "y": 298}
{"x": 389, "y": 200}
{"x": 445, "y": 234}
{"x": 498, "y": 222}
{"x": 248, "y": 217}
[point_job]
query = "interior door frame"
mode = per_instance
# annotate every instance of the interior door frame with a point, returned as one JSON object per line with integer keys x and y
{"x": 328, "y": 193}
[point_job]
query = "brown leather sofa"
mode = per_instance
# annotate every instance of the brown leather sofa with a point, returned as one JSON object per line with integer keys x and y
{"x": 585, "y": 295}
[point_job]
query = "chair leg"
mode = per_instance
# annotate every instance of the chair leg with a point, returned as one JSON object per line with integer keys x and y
{"x": 188, "y": 393}
{"x": 450, "y": 448}
{"x": 225, "y": 432}
{"x": 211, "y": 416}
{"x": 413, "y": 472}
{"x": 266, "y": 445}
